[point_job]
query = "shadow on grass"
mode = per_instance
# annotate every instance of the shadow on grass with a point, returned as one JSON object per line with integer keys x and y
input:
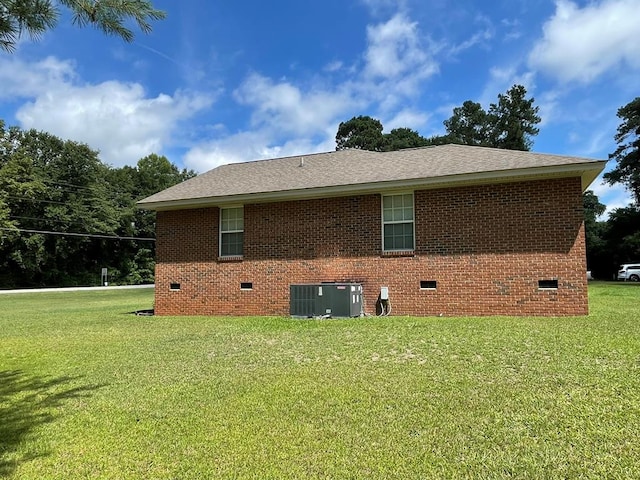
{"x": 27, "y": 402}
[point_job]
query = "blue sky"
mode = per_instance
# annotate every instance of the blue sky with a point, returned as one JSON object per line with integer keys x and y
{"x": 220, "y": 82}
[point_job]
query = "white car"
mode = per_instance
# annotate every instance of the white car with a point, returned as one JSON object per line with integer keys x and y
{"x": 629, "y": 271}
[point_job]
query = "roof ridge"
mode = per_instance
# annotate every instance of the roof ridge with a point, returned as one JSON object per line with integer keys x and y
{"x": 305, "y": 155}
{"x": 341, "y": 152}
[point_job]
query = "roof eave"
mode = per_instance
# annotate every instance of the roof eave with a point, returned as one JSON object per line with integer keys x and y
{"x": 587, "y": 171}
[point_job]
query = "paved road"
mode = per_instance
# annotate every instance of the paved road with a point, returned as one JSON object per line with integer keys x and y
{"x": 73, "y": 289}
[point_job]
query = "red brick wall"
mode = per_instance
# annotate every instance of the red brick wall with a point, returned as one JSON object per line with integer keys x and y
{"x": 485, "y": 246}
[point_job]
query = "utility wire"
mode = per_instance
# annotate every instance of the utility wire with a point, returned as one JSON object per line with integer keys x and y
{"x": 45, "y": 220}
{"x": 72, "y": 234}
{"x": 65, "y": 184}
{"x": 54, "y": 202}
{"x": 13, "y": 197}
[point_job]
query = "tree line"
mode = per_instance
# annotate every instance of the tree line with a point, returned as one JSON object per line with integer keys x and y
{"x": 616, "y": 240}
{"x": 65, "y": 215}
{"x": 511, "y": 123}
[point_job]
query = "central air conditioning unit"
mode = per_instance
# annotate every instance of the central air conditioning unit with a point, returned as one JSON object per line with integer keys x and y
{"x": 326, "y": 299}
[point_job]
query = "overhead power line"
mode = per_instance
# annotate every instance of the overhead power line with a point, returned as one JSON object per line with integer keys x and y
{"x": 14, "y": 197}
{"x": 72, "y": 234}
{"x": 65, "y": 184}
{"x": 44, "y": 220}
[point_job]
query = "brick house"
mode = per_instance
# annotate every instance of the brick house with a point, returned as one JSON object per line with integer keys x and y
{"x": 449, "y": 230}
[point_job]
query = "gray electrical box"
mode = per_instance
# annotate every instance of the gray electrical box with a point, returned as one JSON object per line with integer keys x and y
{"x": 319, "y": 299}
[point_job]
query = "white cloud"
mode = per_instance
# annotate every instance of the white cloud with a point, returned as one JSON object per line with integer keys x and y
{"x": 397, "y": 63}
{"x": 231, "y": 149}
{"x": 395, "y": 50}
{"x": 334, "y": 66}
{"x": 548, "y": 103}
{"x": 22, "y": 79}
{"x": 594, "y": 142}
{"x": 377, "y": 5}
{"x": 513, "y": 27}
{"x": 286, "y": 120}
{"x": 118, "y": 119}
{"x": 246, "y": 146}
{"x": 502, "y": 79}
{"x": 407, "y": 118}
{"x": 579, "y": 44}
{"x": 480, "y": 37}
{"x": 476, "y": 38}
{"x": 288, "y": 108}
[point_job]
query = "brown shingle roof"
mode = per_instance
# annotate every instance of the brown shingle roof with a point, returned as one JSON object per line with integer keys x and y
{"x": 359, "y": 171}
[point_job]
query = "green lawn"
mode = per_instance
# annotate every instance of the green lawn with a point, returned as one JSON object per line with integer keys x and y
{"x": 88, "y": 390}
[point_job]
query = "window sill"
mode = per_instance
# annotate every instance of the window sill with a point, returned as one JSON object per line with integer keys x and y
{"x": 398, "y": 253}
{"x": 231, "y": 258}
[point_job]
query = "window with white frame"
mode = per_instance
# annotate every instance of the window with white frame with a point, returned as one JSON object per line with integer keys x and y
{"x": 231, "y": 231}
{"x": 397, "y": 222}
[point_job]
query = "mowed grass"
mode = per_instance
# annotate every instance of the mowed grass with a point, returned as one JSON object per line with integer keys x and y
{"x": 88, "y": 390}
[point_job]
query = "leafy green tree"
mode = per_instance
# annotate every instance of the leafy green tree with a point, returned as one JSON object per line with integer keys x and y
{"x": 362, "y": 132}
{"x": 35, "y": 17}
{"x": 55, "y": 186}
{"x": 365, "y": 133}
{"x": 156, "y": 172}
{"x": 598, "y": 258}
{"x": 622, "y": 235}
{"x": 19, "y": 187}
{"x": 5, "y": 223}
{"x": 440, "y": 140}
{"x": 19, "y": 182}
{"x": 627, "y": 155}
{"x": 622, "y": 232}
{"x": 134, "y": 260}
{"x": 58, "y": 202}
{"x": 153, "y": 174}
{"x": 592, "y": 206}
{"x": 469, "y": 125}
{"x": 513, "y": 120}
{"x": 510, "y": 123}
{"x": 400, "y": 138}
